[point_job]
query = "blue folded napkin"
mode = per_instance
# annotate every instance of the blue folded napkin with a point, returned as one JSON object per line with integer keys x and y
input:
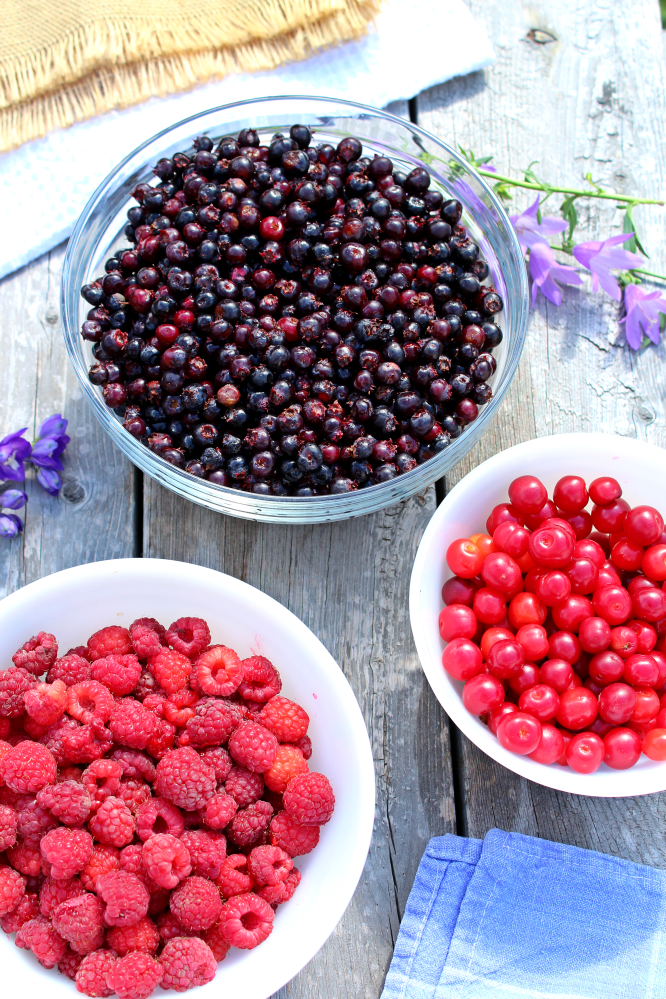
{"x": 514, "y": 916}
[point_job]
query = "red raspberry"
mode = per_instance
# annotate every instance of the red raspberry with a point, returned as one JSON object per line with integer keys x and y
{"x": 134, "y": 792}
{"x": 91, "y": 976}
{"x": 27, "y": 908}
{"x": 155, "y": 703}
{"x": 243, "y": 786}
{"x": 142, "y": 936}
{"x": 13, "y": 684}
{"x": 309, "y": 799}
{"x": 85, "y": 743}
{"x": 261, "y": 680}
{"x": 110, "y": 641}
{"x": 269, "y": 865}
{"x": 39, "y": 936}
{"x": 281, "y": 892}
{"x": 218, "y": 758}
{"x": 171, "y": 669}
{"x": 179, "y": 707}
{"x": 38, "y": 654}
{"x": 185, "y": 779}
{"x": 234, "y": 877}
{"x": 187, "y": 962}
{"x": 69, "y": 802}
{"x": 219, "y": 811}
{"x": 71, "y": 669}
{"x": 12, "y": 887}
{"x": 158, "y": 815}
{"x": 69, "y": 772}
{"x": 305, "y": 746}
{"x": 285, "y": 719}
{"x": 161, "y": 741}
{"x": 215, "y": 940}
{"x": 135, "y": 764}
{"x": 189, "y": 635}
{"x": 196, "y": 903}
{"x": 33, "y": 821}
{"x": 8, "y": 826}
{"x": 80, "y": 921}
{"x": 131, "y": 724}
{"x": 67, "y": 851}
{"x": 207, "y": 850}
{"x": 119, "y": 673}
{"x": 126, "y": 898}
{"x": 169, "y": 927}
{"x": 249, "y": 823}
{"x": 213, "y": 722}
{"x": 253, "y": 747}
{"x": 103, "y": 860}
{"x": 219, "y": 671}
{"x": 26, "y": 859}
{"x": 113, "y": 823}
{"x": 28, "y": 767}
{"x": 295, "y": 839}
{"x": 246, "y": 921}
{"x": 135, "y": 976}
{"x": 101, "y": 779}
{"x": 45, "y": 702}
{"x": 53, "y": 736}
{"x": 147, "y": 636}
{"x": 130, "y": 860}
{"x": 89, "y": 701}
{"x": 147, "y": 685}
{"x": 287, "y": 764}
{"x": 69, "y": 964}
{"x": 166, "y": 860}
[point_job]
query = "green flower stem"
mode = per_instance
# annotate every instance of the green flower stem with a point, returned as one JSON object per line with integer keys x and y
{"x": 608, "y": 196}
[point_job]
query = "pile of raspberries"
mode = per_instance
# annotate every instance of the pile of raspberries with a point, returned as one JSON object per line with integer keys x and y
{"x": 154, "y": 790}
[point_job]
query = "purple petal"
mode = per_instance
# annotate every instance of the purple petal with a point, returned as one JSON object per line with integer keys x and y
{"x": 53, "y": 426}
{"x": 565, "y": 274}
{"x": 13, "y": 499}
{"x": 633, "y": 330}
{"x": 14, "y": 472}
{"x": 49, "y": 480}
{"x": 585, "y": 251}
{"x": 550, "y": 225}
{"x": 11, "y": 438}
{"x": 552, "y": 291}
{"x": 10, "y": 525}
{"x": 542, "y": 259}
{"x": 602, "y": 276}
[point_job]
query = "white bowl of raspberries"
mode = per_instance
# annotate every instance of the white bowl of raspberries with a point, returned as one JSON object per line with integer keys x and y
{"x": 186, "y": 785}
{"x": 539, "y": 611}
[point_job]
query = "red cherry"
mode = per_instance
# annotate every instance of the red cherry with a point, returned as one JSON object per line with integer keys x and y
{"x": 587, "y": 548}
{"x": 624, "y": 641}
{"x": 505, "y": 659}
{"x": 464, "y": 558}
{"x": 627, "y": 556}
{"x": 646, "y": 636}
{"x": 519, "y": 733}
{"x": 493, "y": 635}
{"x": 564, "y": 645}
{"x": 583, "y": 575}
{"x": 526, "y": 608}
{"x": 551, "y": 746}
{"x": 649, "y": 603}
{"x": 647, "y": 706}
{"x": 609, "y": 519}
{"x": 581, "y": 523}
{"x": 511, "y": 539}
{"x": 534, "y": 641}
{"x": 528, "y": 494}
{"x": 534, "y": 520}
{"x": 643, "y": 525}
{"x": 541, "y": 701}
{"x": 585, "y": 753}
{"x": 606, "y": 667}
{"x": 577, "y": 709}
{"x": 654, "y": 562}
{"x": 641, "y": 669}
{"x": 482, "y": 693}
{"x": 608, "y": 576}
{"x": 654, "y": 745}
{"x": 501, "y": 573}
{"x": 623, "y": 749}
{"x": 568, "y": 615}
{"x": 594, "y": 635}
{"x": 496, "y": 715}
{"x": 460, "y": 591}
{"x": 570, "y": 494}
{"x": 616, "y": 703}
{"x": 552, "y": 587}
{"x": 563, "y": 524}
{"x": 462, "y": 659}
{"x": 502, "y": 513}
{"x": 551, "y": 547}
{"x": 457, "y": 621}
{"x": 489, "y": 606}
{"x": 557, "y": 673}
{"x": 604, "y": 490}
{"x": 526, "y": 677}
{"x": 613, "y": 603}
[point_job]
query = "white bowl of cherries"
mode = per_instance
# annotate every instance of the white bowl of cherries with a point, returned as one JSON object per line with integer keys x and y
{"x": 539, "y": 616}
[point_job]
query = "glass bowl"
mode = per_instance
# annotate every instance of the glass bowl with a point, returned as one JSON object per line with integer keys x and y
{"x": 99, "y": 232}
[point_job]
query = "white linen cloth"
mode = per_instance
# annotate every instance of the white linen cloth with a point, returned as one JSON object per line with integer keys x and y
{"x": 415, "y": 44}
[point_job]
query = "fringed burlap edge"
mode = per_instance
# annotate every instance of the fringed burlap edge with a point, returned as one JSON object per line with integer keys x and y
{"x": 114, "y": 88}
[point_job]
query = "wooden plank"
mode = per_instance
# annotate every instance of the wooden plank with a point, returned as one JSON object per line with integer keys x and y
{"x": 349, "y": 583}
{"x": 92, "y": 518}
{"x": 590, "y": 100}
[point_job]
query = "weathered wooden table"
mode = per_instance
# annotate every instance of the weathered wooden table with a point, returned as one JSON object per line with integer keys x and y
{"x": 584, "y": 92}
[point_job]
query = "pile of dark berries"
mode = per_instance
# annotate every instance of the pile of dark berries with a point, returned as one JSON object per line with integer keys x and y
{"x": 293, "y": 319}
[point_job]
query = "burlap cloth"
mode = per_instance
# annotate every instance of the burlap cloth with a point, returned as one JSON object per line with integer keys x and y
{"x": 65, "y": 60}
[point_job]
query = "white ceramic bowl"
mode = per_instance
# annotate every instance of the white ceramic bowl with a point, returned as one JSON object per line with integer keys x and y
{"x": 76, "y": 602}
{"x": 641, "y": 470}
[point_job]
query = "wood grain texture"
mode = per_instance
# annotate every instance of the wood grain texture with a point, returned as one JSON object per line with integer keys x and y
{"x": 590, "y": 100}
{"x": 92, "y": 519}
{"x": 349, "y": 583}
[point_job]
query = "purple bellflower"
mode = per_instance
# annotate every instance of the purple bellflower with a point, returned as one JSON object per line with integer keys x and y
{"x": 602, "y": 256}
{"x": 545, "y": 271}
{"x": 642, "y": 308}
{"x": 50, "y": 444}
{"x": 49, "y": 479}
{"x": 14, "y": 449}
{"x": 13, "y": 499}
{"x": 10, "y": 525}
{"x": 530, "y": 231}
